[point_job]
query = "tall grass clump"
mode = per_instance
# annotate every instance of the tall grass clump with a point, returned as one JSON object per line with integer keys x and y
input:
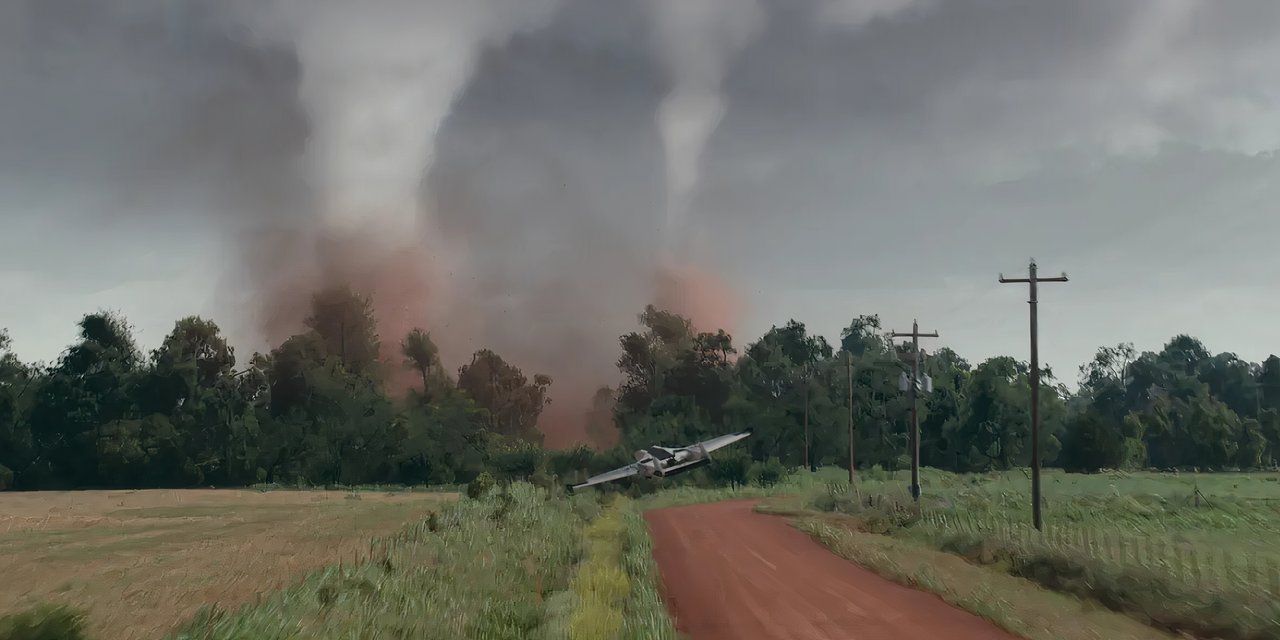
{"x": 43, "y": 622}
{"x": 482, "y": 568}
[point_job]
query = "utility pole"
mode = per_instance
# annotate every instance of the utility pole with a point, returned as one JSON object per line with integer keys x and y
{"x": 848, "y": 365}
{"x": 1032, "y": 279}
{"x": 915, "y": 336}
{"x": 806, "y": 419}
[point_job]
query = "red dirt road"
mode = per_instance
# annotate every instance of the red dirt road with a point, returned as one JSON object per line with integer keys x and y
{"x": 729, "y": 573}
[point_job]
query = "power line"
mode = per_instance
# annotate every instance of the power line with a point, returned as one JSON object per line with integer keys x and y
{"x": 1032, "y": 279}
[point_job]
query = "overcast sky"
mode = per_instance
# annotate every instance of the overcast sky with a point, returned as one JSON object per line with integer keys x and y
{"x": 823, "y": 158}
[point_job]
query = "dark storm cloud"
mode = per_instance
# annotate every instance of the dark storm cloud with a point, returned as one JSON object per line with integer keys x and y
{"x": 901, "y": 138}
{"x": 860, "y": 156}
{"x": 147, "y": 105}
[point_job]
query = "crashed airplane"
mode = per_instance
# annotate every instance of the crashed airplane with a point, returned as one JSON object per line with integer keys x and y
{"x": 665, "y": 461}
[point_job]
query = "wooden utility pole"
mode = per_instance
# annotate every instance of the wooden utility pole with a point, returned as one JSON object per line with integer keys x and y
{"x": 848, "y": 365}
{"x": 806, "y": 420}
{"x": 914, "y": 388}
{"x": 1032, "y": 279}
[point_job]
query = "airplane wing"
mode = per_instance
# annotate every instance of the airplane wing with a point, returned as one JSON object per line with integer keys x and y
{"x": 723, "y": 441}
{"x": 608, "y": 476}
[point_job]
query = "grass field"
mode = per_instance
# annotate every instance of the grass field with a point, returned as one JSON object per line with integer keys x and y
{"x": 1181, "y": 552}
{"x": 517, "y": 563}
{"x": 1225, "y": 525}
{"x": 141, "y": 562}
{"x": 1190, "y": 553}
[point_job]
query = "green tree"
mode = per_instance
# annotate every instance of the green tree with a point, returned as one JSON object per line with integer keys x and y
{"x": 90, "y": 386}
{"x": 513, "y": 401}
{"x": 421, "y": 353}
{"x": 446, "y": 441}
{"x": 346, "y": 326}
{"x": 950, "y": 374}
{"x": 732, "y": 467}
{"x": 1269, "y": 383}
{"x": 190, "y": 384}
{"x": 17, "y": 381}
{"x": 994, "y": 423}
{"x": 648, "y": 356}
{"x": 1231, "y": 380}
{"x": 864, "y": 335}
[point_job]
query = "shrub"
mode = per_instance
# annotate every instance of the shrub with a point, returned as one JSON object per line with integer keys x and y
{"x": 481, "y": 486}
{"x": 767, "y": 473}
{"x": 514, "y": 459}
{"x": 43, "y": 622}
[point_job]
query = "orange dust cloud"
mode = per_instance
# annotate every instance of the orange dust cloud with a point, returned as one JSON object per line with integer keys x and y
{"x": 399, "y": 278}
{"x": 705, "y": 298}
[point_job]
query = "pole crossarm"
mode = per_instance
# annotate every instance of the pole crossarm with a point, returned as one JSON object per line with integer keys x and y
{"x": 914, "y": 334}
{"x": 1061, "y": 278}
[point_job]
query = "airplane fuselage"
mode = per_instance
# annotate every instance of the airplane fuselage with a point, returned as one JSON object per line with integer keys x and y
{"x": 664, "y": 461}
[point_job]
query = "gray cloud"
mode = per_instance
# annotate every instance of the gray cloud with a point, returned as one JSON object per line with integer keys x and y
{"x": 884, "y": 156}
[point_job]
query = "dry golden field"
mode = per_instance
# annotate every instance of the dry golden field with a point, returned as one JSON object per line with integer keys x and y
{"x": 141, "y": 562}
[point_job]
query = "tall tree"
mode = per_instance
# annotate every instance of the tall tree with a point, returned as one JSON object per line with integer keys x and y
{"x": 863, "y": 335}
{"x": 1269, "y": 382}
{"x": 513, "y": 401}
{"x": 90, "y": 387}
{"x": 16, "y": 382}
{"x": 345, "y": 323}
{"x": 648, "y": 356}
{"x": 421, "y": 354}
{"x": 1232, "y": 381}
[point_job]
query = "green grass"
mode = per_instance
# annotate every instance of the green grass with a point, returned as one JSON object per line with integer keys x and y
{"x": 646, "y": 616}
{"x": 516, "y": 563}
{"x": 1140, "y": 543}
{"x": 1010, "y": 602}
{"x": 43, "y": 622}
{"x": 485, "y": 572}
{"x": 614, "y": 593}
{"x": 793, "y": 484}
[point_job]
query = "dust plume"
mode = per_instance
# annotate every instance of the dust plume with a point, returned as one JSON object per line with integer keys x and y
{"x": 702, "y": 296}
{"x": 412, "y": 150}
{"x": 376, "y": 83}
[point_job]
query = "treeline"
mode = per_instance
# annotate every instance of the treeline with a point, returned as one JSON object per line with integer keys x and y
{"x": 317, "y": 409}
{"x": 1181, "y": 407}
